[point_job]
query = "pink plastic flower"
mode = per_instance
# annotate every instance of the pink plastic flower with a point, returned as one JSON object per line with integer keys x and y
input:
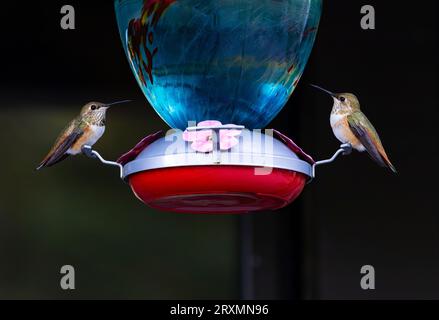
{"x": 202, "y": 140}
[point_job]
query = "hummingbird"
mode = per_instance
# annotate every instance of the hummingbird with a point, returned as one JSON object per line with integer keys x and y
{"x": 86, "y": 129}
{"x": 350, "y": 125}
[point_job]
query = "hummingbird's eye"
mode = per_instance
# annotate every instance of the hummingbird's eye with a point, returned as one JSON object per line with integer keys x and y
{"x": 93, "y": 107}
{"x": 342, "y": 99}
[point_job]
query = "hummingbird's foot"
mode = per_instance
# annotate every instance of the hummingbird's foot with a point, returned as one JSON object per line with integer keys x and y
{"x": 347, "y": 148}
{"x": 88, "y": 151}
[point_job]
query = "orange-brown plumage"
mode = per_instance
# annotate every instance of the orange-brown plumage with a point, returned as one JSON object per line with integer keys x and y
{"x": 82, "y": 140}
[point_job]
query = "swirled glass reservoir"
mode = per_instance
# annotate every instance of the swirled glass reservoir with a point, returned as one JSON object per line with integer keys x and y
{"x": 228, "y": 60}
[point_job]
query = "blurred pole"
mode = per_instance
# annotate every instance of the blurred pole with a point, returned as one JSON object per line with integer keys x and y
{"x": 271, "y": 254}
{"x": 247, "y": 257}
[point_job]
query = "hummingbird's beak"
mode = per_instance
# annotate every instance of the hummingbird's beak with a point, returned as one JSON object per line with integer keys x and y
{"x": 326, "y": 91}
{"x": 117, "y": 102}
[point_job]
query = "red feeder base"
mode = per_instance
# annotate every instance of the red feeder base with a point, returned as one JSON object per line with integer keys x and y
{"x": 216, "y": 189}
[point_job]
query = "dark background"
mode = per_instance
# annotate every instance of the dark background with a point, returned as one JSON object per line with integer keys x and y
{"x": 353, "y": 214}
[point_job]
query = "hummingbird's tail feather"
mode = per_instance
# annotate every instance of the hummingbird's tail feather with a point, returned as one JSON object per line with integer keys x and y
{"x": 43, "y": 163}
{"x": 40, "y": 166}
{"x": 380, "y": 157}
{"x": 392, "y": 167}
{"x": 386, "y": 162}
{"x": 49, "y": 163}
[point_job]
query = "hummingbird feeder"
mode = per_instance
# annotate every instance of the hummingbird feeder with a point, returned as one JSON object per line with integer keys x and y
{"x": 241, "y": 179}
{"x": 235, "y": 62}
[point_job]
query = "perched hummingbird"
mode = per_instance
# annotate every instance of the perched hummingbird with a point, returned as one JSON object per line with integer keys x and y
{"x": 350, "y": 125}
{"x": 85, "y": 129}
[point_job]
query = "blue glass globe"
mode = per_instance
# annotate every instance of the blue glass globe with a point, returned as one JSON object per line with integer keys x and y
{"x": 233, "y": 61}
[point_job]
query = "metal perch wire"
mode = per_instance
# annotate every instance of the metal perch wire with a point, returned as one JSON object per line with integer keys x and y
{"x": 345, "y": 149}
{"x": 89, "y": 152}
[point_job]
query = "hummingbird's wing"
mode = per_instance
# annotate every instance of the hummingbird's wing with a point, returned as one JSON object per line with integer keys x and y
{"x": 368, "y": 136}
{"x": 58, "y": 152}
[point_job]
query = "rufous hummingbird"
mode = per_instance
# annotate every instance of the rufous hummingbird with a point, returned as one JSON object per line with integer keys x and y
{"x": 86, "y": 129}
{"x": 350, "y": 125}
